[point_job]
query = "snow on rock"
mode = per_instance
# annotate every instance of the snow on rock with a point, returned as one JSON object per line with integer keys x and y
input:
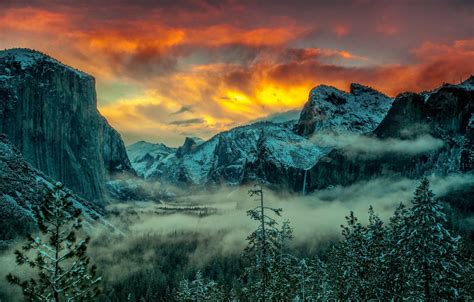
{"x": 445, "y": 115}
{"x": 147, "y": 157}
{"x": 27, "y": 58}
{"x": 264, "y": 151}
{"x": 328, "y": 108}
{"x": 228, "y": 157}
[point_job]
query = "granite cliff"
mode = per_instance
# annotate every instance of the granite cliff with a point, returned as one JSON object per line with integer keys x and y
{"x": 49, "y": 112}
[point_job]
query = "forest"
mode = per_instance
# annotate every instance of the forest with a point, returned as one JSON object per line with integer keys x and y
{"x": 414, "y": 255}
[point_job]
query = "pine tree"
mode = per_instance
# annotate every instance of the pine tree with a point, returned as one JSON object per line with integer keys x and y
{"x": 283, "y": 281}
{"x": 375, "y": 245}
{"x": 61, "y": 260}
{"x": 200, "y": 289}
{"x": 393, "y": 263}
{"x": 348, "y": 261}
{"x": 312, "y": 281}
{"x": 430, "y": 252}
{"x": 262, "y": 250}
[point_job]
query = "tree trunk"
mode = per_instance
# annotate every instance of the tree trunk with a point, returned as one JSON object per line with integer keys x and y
{"x": 426, "y": 282}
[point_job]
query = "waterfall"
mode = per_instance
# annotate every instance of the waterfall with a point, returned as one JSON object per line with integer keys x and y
{"x": 304, "y": 182}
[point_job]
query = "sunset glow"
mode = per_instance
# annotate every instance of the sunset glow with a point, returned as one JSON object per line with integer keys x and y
{"x": 170, "y": 69}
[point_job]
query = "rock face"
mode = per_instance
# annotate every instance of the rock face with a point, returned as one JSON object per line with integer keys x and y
{"x": 147, "y": 158}
{"x": 114, "y": 153}
{"x": 361, "y": 110}
{"x": 266, "y": 151}
{"x": 49, "y": 112}
{"x": 21, "y": 188}
{"x": 445, "y": 114}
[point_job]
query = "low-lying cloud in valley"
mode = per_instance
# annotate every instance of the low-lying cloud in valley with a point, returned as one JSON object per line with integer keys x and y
{"x": 316, "y": 219}
{"x": 375, "y": 146}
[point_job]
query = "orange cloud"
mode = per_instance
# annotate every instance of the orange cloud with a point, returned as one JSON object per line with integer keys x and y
{"x": 226, "y": 34}
{"x": 227, "y": 69}
{"x": 35, "y": 20}
{"x": 341, "y": 30}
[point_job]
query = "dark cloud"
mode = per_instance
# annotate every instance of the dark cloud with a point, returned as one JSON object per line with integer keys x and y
{"x": 183, "y": 110}
{"x": 192, "y": 121}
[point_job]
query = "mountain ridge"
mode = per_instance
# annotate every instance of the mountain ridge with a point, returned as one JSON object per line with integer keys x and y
{"x": 373, "y": 116}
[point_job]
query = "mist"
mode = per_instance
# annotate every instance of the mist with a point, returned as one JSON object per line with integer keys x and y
{"x": 146, "y": 227}
{"x": 315, "y": 217}
{"x": 367, "y": 144}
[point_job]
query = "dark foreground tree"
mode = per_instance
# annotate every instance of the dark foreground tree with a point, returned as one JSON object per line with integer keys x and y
{"x": 60, "y": 259}
{"x": 415, "y": 257}
{"x": 262, "y": 250}
{"x": 430, "y": 252}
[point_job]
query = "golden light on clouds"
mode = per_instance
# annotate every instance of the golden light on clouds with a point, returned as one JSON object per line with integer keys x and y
{"x": 169, "y": 70}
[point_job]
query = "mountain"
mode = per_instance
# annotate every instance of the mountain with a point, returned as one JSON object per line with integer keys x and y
{"x": 328, "y": 108}
{"x": 262, "y": 150}
{"x": 49, "y": 112}
{"x": 267, "y": 151}
{"x": 443, "y": 116}
{"x": 21, "y": 188}
{"x": 410, "y": 136}
{"x": 147, "y": 157}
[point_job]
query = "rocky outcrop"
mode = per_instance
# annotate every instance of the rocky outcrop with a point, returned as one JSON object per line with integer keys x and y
{"x": 259, "y": 152}
{"x": 22, "y": 187}
{"x": 49, "y": 112}
{"x": 190, "y": 143}
{"x": 444, "y": 114}
{"x": 114, "y": 153}
{"x": 328, "y": 108}
{"x": 147, "y": 158}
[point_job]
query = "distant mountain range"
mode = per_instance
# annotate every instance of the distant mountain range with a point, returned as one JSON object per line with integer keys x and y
{"x": 53, "y": 131}
{"x": 340, "y": 138}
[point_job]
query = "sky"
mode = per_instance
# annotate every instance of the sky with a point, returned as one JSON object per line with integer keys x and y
{"x": 167, "y": 69}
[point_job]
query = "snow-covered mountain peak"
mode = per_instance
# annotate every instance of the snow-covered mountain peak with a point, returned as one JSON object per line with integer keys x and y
{"x": 27, "y": 58}
{"x": 145, "y": 156}
{"x": 325, "y": 92}
{"x": 359, "y": 89}
{"x": 360, "y": 110}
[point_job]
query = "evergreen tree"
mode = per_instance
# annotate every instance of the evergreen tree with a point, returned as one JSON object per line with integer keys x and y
{"x": 283, "y": 281}
{"x": 262, "y": 250}
{"x": 375, "y": 245}
{"x": 312, "y": 281}
{"x": 430, "y": 252}
{"x": 61, "y": 260}
{"x": 348, "y": 262}
{"x": 200, "y": 289}
{"x": 393, "y": 263}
